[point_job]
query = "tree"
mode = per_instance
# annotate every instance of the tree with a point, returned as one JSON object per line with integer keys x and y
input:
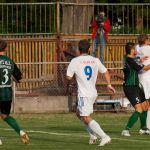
{"x": 76, "y": 19}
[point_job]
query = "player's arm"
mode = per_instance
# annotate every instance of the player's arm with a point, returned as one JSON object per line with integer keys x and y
{"x": 107, "y": 77}
{"x": 147, "y": 67}
{"x": 17, "y": 75}
{"x": 69, "y": 85}
{"x": 69, "y": 77}
{"x": 137, "y": 66}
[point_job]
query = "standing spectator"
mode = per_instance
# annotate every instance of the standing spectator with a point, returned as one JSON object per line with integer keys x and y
{"x": 8, "y": 69}
{"x": 144, "y": 77}
{"x": 132, "y": 90}
{"x": 86, "y": 75}
{"x": 101, "y": 26}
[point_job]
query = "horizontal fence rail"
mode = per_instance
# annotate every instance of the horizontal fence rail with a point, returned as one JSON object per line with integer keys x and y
{"x": 53, "y": 17}
{"x": 38, "y": 60}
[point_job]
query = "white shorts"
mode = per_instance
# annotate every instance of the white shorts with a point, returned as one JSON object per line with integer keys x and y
{"x": 85, "y": 105}
{"x": 144, "y": 79}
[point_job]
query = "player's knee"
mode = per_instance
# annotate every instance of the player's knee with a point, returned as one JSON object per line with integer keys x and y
{"x": 86, "y": 119}
{"x": 3, "y": 116}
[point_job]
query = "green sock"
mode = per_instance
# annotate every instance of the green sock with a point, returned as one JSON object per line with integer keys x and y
{"x": 132, "y": 120}
{"x": 13, "y": 123}
{"x": 143, "y": 117}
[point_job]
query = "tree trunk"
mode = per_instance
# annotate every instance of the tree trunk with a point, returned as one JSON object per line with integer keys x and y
{"x": 76, "y": 18}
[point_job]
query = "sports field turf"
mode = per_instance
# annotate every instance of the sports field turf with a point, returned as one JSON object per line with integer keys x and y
{"x": 65, "y": 132}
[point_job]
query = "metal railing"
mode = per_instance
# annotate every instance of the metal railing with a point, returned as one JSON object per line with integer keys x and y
{"x": 47, "y": 18}
{"x": 27, "y": 18}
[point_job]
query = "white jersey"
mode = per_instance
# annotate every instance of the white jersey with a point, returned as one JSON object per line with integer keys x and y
{"x": 86, "y": 68}
{"x": 144, "y": 76}
{"x": 145, "y": 50}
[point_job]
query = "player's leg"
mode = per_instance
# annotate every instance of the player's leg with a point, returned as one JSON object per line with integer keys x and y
{"x": 148, "y": 117}
{"x": 1, "y": 142}
{"x": 5, "y": 111}
{"x": 133, "y": 96}
{"x": 97, "y": 130}
{"x": 102, "y": 48}
{"x": 93, "y": 137}
{"x": 94, "y": 46}
{"x": 80, "y": 110}
{"x": 145, "y": 84}
{"x": 143, "y": 118}
{"x": 85, "y": 107}
{"x": 132, "y": 120}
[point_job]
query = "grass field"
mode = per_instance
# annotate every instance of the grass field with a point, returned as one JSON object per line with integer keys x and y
{"x": 65, "y": 132}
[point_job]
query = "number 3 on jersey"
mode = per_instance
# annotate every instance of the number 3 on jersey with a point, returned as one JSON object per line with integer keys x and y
{"x": 88, "y": 72}
{"x": 5, "y": 76}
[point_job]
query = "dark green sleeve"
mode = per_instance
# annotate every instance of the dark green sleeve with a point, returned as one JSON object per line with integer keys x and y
{"x": 17, "y": 73}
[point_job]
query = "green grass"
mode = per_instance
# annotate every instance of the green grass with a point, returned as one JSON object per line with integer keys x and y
{"x": 65, "y": 132}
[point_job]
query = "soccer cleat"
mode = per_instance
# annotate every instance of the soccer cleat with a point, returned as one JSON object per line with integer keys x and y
{"x": 1, "y": 142}
{"x": 147, "y": 132}
{"x": 125, "y": 133}
{"x": 25, "y": 138}
{"x": 92, "y": 141}
{"x": 141, "y": 131}
{"x": 105, "y": 140}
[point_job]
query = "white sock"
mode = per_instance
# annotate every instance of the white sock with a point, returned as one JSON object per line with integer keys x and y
{"x": 1, "y": 142}
{"x": 148, "y": 119}
{"x": 89, "y": 130}
{"x": 22, "y": 132}
{"x": 96, "y": 129}
{"x": 91, "y": 133}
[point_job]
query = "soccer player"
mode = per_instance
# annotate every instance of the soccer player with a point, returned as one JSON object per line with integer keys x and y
{"x": 86, "y": 68}
{"x": 132, "y": 90}
{"x": 8, "y": 70}
{"x": 144, "y": 77}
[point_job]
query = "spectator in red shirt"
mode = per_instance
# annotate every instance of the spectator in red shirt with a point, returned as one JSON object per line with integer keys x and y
{"x": 101, "y": 26}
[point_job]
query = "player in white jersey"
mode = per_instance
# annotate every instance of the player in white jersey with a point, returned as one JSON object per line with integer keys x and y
{"x": 143, "y": 50}
{"x": 86, "y": 68}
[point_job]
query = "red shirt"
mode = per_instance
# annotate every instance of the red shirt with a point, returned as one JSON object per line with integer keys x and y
{"x": 106, "y": 28}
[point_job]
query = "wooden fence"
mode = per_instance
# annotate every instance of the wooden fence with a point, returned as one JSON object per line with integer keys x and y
{"x": 38, "y": 58}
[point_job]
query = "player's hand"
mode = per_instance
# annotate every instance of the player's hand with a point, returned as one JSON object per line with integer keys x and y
{"x": 109, "y": 86}
{"x": 143, "y": 58}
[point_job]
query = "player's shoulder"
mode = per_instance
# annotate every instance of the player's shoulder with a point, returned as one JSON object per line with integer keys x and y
{"x": 8, "y": 59}
{"x": 4, "y": 57}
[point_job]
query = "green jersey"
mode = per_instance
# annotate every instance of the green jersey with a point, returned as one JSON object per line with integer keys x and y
{"x": 131, "y": 69}
{"x": 7, "y": 69}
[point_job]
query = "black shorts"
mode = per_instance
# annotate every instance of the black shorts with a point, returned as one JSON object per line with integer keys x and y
{"x": 5, "y": 107}
{"x": 134, "y": 94}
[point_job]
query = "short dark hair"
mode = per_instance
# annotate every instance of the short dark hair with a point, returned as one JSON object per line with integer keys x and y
{"x": 142, "y": 38}
{"x": 3, "y": 45}
{"x": 84, "y": 46}
{"x": 128, "y": 47}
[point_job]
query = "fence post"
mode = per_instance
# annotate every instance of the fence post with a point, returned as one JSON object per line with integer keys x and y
{"x": 58, "y": 16}
{"x": 14, "y": 96}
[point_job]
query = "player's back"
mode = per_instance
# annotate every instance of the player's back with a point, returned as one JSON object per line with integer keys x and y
{"x": 86, "y": 69}
{"x": 6, "y": 71}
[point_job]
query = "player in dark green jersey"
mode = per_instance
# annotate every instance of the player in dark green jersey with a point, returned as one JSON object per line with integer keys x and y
{"x": 8, "y": 70}
{"x": 132, "y": 90}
